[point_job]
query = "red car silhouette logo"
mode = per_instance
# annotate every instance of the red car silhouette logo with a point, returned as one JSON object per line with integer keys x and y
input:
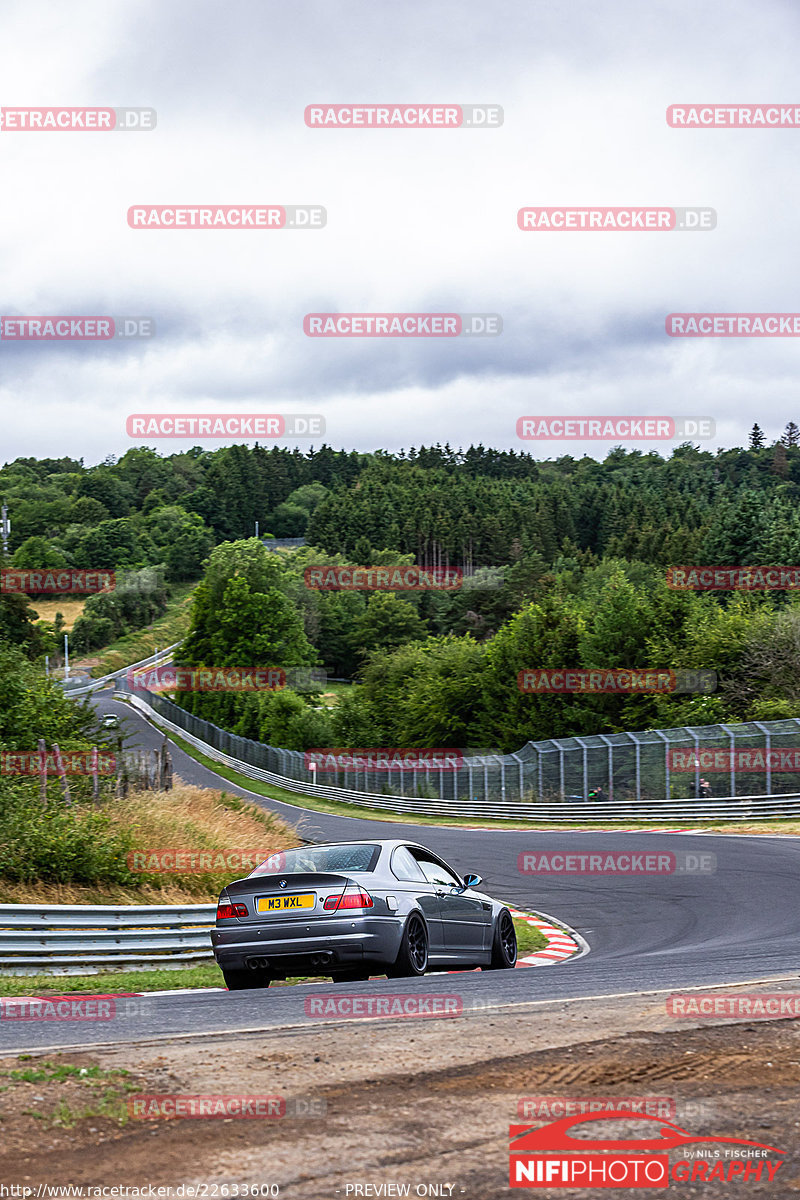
{"x": 556, "y": 1136}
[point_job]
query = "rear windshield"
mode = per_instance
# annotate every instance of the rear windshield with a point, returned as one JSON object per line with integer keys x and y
{"x": 320, "y": 858}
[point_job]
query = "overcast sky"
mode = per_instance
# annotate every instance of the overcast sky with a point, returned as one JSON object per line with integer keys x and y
{"x": 417, "y": 220}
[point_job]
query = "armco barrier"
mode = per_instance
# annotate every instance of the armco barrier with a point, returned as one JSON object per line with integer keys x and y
{"x": 85, "y": 689}
{"x": 65, "y": 939}
{"x": 689, "y": 809}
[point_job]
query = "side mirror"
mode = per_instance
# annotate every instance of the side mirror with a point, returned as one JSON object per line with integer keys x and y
{"x": 472, "y": 880}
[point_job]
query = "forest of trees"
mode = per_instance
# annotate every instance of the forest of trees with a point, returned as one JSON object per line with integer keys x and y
{"x": 566, "y": 562}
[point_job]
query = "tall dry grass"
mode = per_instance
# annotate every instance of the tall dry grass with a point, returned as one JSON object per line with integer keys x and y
{"x": 187, "y": 818}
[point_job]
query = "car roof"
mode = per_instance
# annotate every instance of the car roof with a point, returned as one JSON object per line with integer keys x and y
{"x": 384, "y": 843}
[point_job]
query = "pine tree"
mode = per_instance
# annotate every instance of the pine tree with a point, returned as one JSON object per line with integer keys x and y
{"x": 780, "y": 465}
{"x": 757, "y": 439}
{"x": 791, "y": 435}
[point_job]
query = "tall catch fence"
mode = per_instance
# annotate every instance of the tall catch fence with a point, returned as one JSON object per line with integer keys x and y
{"x": 749, "y": 759}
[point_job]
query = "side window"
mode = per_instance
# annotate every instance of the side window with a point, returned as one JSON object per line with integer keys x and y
{"x": 405, "y": 866}
{"x": 435, "y": 873}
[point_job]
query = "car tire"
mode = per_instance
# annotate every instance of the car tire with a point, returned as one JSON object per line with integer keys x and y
{"x": 504, "y": 943}
{"x": 240, "y": 981}
{"x": 412, "y": 957}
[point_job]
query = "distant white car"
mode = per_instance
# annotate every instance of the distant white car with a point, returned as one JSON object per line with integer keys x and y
{"x": 111, "y": 721}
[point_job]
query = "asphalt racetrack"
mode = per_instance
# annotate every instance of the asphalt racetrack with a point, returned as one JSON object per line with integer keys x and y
{"x": 737, "y": 924}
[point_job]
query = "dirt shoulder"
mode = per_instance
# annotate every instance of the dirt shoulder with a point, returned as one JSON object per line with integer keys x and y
{"x": 423, "y": 1102}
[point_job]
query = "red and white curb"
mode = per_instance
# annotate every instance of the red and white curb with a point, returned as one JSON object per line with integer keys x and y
{"x": 560, "y": 944}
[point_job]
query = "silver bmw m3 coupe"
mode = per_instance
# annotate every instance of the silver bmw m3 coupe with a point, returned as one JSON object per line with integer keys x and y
{"x": 349, "y": 910}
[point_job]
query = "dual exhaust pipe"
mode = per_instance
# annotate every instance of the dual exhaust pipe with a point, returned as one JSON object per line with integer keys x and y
{"x": 322, "y": 959}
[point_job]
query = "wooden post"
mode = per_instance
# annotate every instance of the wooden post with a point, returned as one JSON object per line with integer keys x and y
{"x": 95, "y": 774}
{"x": 62, "y": 774}
{"x": 121, "y": 789}
{"x": 166, "y": 767}
{"x": 43, "y": 771}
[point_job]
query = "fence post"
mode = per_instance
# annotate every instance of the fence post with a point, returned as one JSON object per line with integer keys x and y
{"x": 610, "y": 746}
{"x": 62, "y": 774}
{"x": 521, "y": 776}
{"x": 732, "y": 736}
{"x": 768, "y": 749}
{"x": 95, "y": 780}
{"x": 166, "y": 767}
{"x": 666, "y": 762}
{"x": 583, "y": 746}
{"x": 43, "y": 771}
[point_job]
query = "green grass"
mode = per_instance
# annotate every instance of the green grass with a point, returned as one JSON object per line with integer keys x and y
{"x": 49, "y": 1072}
{"x": 172, "y": 626}
{"x": 529, "y": 938}
{"x": 108, "y": 982}
{"x": 103, "y": 1092}
{"x": 111, "y": 981}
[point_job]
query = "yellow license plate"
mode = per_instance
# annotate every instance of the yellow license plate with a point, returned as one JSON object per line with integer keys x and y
{"x": 280, "y": 903}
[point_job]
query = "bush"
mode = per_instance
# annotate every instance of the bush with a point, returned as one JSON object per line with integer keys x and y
{"x": 138, "y": 599}
{"x": 58, "y": 844}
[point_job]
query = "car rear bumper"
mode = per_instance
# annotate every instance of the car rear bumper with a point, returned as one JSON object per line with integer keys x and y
{"x": 287, "y": 949}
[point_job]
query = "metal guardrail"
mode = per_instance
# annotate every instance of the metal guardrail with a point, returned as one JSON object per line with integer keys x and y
{"x": 84, "y": 690}
{"x": 65, "y": 939}
{"x": 689, "y": 809}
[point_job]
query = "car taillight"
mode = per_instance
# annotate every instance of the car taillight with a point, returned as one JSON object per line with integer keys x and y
{"x": 226, "y": 911}
{"x": 357, "y": 899}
